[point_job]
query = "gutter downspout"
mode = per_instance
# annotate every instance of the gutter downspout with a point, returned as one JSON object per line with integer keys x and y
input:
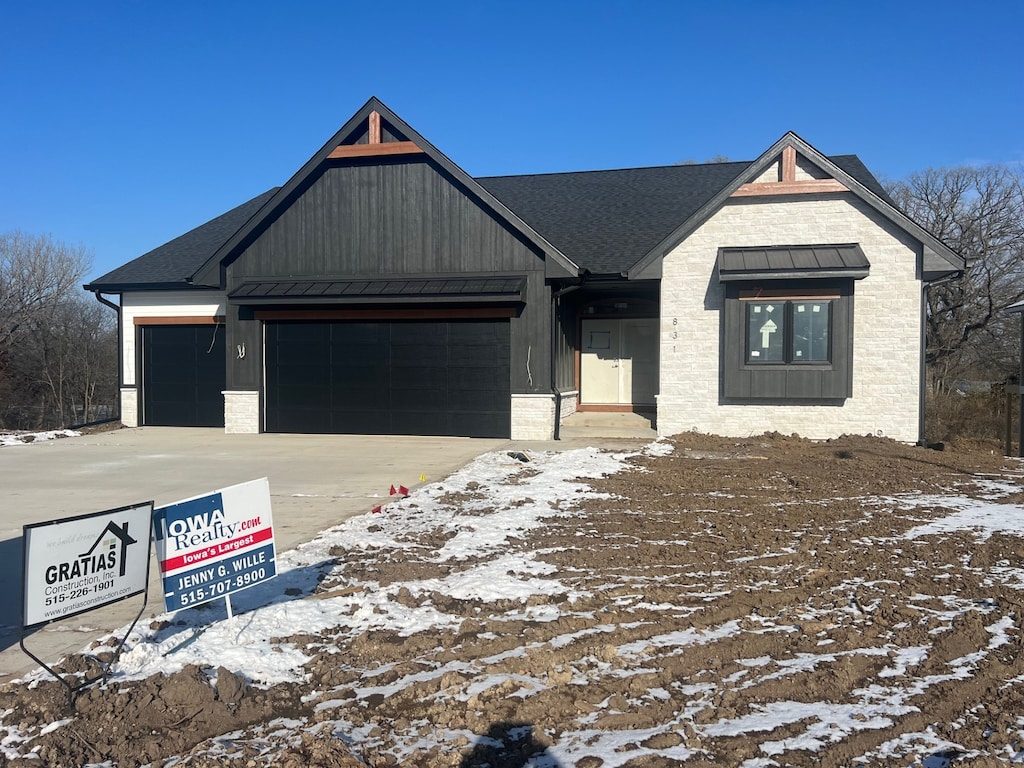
{"x": 554, "y": 355}
{"x": 120, "y": 347}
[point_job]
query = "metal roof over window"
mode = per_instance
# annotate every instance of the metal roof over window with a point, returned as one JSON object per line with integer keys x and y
{"x": 486, "y": 289}
{"x": 781, "y": 262}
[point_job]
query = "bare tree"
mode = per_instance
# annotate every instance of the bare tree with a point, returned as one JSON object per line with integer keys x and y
{"x": 53, "y": 342}
{"x": 979, "y": 212}
{"x": 75, "y": 360}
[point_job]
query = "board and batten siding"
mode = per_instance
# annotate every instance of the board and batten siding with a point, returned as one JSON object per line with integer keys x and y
{"x": 397, "y": 218}
{"x": 394, "y": 218}
{"x": 886, "y": 311}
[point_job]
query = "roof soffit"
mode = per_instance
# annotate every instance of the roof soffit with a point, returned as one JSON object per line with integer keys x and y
{"x": 785, "y": 155}
{"x": 362, "y": 136}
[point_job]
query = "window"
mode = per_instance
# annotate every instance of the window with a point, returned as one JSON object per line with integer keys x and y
{"x": 788, "y": 340}
{"x": 787, "y": 322}
{"x": 788, "y": 331}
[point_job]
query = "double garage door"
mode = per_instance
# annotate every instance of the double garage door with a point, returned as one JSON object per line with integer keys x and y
{"x": 389, "y": 377}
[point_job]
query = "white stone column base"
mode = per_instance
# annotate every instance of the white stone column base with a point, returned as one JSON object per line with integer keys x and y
{"x": 130, "y": 406}
{"x": 241, "y": 412}
{"x": 533, "y": 417}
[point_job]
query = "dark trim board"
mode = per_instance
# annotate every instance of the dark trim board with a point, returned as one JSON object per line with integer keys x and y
{"x": 389, "y": 377}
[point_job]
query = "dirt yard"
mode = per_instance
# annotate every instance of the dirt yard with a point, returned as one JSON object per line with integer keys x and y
{"x": 768, "y": 601}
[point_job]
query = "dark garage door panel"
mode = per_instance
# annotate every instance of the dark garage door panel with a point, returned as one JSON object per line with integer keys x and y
{"x": 398, "y": 378}
{"x": 184, "y": 373}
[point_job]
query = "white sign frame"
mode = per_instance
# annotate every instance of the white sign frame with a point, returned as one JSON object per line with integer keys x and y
{"x": 81, "y": 563}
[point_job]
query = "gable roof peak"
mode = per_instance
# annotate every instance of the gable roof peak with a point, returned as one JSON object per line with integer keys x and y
{"x": 385, "y": 133}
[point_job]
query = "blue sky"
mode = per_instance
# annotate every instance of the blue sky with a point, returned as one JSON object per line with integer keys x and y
{"x": 125, "y": 124}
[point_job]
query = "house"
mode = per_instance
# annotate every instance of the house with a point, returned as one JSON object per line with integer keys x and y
{"x": 383, "y": 290}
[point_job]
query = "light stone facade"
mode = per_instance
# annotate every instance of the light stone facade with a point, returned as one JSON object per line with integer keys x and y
{"x": 886, "y": 312}
{"x": 533, "y": 417}
{"x": 568, "y": 404}
{"x": 130, "y": 406}
{"x": 241, "y": 412}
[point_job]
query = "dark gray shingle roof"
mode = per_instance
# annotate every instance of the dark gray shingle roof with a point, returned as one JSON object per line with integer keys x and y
{"x": 605, "y": 221}
{"x": 169, "y": 265}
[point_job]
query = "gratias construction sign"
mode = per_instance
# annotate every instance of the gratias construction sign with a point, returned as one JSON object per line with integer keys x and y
{"x": 210, "y": 546}
{"x": 80, "y": 563}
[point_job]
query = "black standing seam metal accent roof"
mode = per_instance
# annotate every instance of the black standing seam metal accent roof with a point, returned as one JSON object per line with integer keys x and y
{"x": 485, "y": 289}
{"x": 792, "y": 261}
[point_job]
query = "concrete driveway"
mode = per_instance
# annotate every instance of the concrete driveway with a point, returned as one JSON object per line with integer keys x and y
{"x": 316, "y": 481}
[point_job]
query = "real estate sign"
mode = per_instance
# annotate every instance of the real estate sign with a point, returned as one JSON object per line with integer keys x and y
{"x": 85, "y": 562}
{"x": 211, "y": 546}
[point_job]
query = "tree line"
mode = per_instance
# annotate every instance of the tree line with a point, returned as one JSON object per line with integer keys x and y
{"x": 979, "y": 212}
{"x": 58, "y": 345}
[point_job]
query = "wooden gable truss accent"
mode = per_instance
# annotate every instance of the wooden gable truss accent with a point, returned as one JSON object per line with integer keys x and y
{"x": 788, "y": 184}
{"x": 374, "y": 146}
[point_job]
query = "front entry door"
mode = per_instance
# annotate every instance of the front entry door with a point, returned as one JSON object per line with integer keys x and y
{"x": 619, "y": 361}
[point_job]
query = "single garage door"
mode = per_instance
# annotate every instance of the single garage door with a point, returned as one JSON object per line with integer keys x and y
{"x": 389, "y": 378}
{"x": 183, "y": 375}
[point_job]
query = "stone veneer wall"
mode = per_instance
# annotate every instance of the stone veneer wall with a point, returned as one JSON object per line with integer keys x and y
{"x": 130, "y": 406}
{"x": 570, "y": 400}
{"x": 533, "y": 417}
{"x": 241, "y": 412}
{"x": 886, "y": 344}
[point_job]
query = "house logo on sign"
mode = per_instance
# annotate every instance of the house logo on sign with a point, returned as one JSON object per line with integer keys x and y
{"x": 121, "y": 533}
{"x": 103, "y": 555}
{"x": 766, "y": 331}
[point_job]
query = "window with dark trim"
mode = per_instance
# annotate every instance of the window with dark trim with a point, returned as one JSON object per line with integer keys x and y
{"x": 787, "y": 323}
{"x": 788, "y": 340}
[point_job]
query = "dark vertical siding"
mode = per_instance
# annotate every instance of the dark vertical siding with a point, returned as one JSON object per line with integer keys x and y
{"x": 391, "y": 218}
{"x": 531, "y": 340}
{"x": 397, "y": 217}
{"x": 566, "y": 339}
{"x": 244, "y": 350}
